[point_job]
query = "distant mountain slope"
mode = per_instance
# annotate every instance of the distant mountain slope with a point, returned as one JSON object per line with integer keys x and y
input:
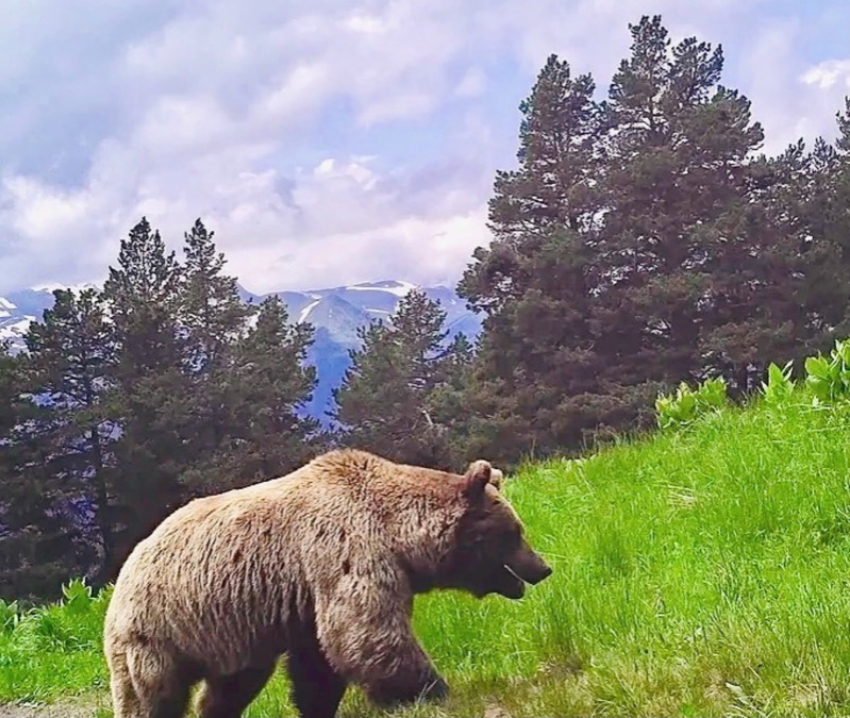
{"x": 336, "y": 313}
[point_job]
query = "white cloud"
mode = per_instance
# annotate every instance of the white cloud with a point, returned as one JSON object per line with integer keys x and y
{"x": 257, "y": 117}
{"x": 343, "y": 222}
{"x": 826, "y": 75}
{"x": 215, "y": 93}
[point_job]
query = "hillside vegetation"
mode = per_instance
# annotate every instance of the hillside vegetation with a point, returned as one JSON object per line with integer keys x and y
{"x": 700, "y": 571}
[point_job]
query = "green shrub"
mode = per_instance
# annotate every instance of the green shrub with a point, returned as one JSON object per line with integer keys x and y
{"x": 829, "y": 378}
{"x": 780, "y": 386}
{"x": 687, "y": 404}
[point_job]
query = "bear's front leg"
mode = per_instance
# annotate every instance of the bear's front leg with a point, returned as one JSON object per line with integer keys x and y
{"x": 364, "y": 630}
{"x": 399, "y": 689}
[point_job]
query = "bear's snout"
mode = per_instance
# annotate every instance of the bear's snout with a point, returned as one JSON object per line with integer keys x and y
{"x": 544, "y": 572}
{"x": 529, "y": 566}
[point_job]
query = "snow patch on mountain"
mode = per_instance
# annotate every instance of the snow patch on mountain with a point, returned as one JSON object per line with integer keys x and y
{"x": 13, "y": 325}
{"x": 399, "y": 288}
{"x": 53, "y": 286}
{"x": 302, "y": 316}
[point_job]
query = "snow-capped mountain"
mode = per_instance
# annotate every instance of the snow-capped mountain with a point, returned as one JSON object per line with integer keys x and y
{"x": 336, "y": 313}
{"x": 13, "y": 321}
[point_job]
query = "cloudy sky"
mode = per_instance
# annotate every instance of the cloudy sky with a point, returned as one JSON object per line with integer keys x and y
{"x": 328, "y": 142}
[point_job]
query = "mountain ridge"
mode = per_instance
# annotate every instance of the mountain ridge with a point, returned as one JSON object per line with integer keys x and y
{"x": 336, "y": 313}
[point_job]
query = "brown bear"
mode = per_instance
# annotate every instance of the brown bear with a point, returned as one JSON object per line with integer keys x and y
{"x": 321, "y": 565}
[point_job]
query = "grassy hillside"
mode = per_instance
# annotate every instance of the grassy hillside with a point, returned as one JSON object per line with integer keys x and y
{"x": 703, "y": 571}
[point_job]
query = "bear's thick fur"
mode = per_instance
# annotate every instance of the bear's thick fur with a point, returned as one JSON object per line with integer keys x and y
{"x": 323, "y": 565}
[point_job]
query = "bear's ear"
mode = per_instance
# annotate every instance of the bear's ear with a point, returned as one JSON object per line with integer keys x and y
{"x": 476, "y": 478}
{"x": 496, "y": 477}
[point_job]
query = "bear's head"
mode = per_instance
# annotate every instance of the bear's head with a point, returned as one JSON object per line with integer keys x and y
{"x": 490, "y": 553}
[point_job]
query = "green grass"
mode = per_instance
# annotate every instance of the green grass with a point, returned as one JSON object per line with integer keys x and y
{"x": 704, "y": 572}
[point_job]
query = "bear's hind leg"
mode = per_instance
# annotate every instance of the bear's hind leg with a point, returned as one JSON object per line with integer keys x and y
{"x": 317, "y": 689}
{"x": 229, "y": 696}
{"x": 161, "y": 687}
{"x": 125, "y": 702}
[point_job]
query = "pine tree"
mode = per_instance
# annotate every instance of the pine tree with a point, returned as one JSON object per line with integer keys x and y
{"x": 448, "y": 407}
{"x": 150, "y": 404}
{"x": 23, "y": 507}
{"x": 143, "y": 296}
{"x": 801, "y": 189}
{"x": 37, "y": 541}
{"x": 211, "y": 312}
{"x": 657, "y": 255}
{"x": 213, "y": 319}
{"x": 72, "y": 354}
{"x": 555, "y": 187}
{"x": 388, "y": 398}
{"x": 829, "y": 221}
{"x": 677, "y": 179}
{"x": 267, "y": 387}
{"x": 698, "y": 275}
{"x": 536, "y": 351}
